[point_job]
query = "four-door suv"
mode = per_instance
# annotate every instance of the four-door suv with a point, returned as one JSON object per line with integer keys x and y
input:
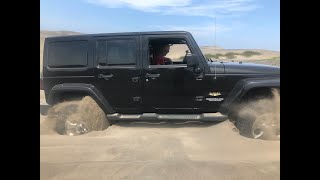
{"x": 115, "y": 69}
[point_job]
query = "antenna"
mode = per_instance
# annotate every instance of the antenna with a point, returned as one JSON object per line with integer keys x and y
{"x": 215, "y": 45}
{"x": 215, "y": 37}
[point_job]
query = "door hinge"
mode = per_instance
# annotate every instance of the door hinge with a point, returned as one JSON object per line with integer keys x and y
{"x": 137, "y": 99}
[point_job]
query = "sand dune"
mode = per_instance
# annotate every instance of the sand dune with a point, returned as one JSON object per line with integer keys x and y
{"x": 177, "y": 51}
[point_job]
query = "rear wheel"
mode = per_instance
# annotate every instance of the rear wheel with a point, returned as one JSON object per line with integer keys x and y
{"x": 78, "y": 117}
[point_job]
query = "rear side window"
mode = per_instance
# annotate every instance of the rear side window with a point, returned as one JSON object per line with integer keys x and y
{"x": 116, "y": 52}
{"x": 68, "y": 54}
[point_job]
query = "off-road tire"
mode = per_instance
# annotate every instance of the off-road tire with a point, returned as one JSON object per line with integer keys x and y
{"x": 255, "y": 123}
{"x": 85, "y": 112}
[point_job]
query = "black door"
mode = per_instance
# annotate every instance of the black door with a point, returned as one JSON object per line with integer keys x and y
{"x": 166, "y": 91}
{"x": 118, "y": 75}
{"x": 168, "y": 88}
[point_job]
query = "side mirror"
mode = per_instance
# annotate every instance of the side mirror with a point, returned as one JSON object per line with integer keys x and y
{"x": 192, "y": 60}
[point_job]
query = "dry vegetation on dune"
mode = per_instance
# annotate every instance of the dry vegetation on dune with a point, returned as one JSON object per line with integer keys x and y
{"x": 245, "y": 55}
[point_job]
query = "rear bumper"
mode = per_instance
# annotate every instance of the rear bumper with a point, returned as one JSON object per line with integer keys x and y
{"x": 44, "y": 107}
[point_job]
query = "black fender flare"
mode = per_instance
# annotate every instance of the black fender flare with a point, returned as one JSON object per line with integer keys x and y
{"x": 81, "y": 87}
{"x": 243, "y": 86}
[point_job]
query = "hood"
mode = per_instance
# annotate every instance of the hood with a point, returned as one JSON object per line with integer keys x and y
{"x": 245, "y": 68}
{"x": 217, "y": 67}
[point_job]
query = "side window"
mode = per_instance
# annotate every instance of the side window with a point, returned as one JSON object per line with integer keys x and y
{"x": 68, "y": 54}
{"x": 177, "y": 52}
{"x": 168, "y": 51}
{"x": 116, "y": 52}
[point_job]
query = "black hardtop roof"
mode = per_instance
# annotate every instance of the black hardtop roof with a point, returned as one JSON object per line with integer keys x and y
{"x": 119, "y": 34}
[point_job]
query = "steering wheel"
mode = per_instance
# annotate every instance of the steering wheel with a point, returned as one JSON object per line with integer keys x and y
{"x": 168, "y": 61}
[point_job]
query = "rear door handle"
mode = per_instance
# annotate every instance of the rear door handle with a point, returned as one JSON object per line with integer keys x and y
{"x": 153, "y": 76}
{"x": 135, "y": 79}
{"x": 106, "y": 77}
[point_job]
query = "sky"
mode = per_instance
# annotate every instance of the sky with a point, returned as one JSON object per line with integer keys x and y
{"x": 230, "y": 24}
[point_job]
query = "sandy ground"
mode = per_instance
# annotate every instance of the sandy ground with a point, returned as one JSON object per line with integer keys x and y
{"x": 140, "y": 150}
{"x": 42, "y": 97}
{"x": 158, "y": 150}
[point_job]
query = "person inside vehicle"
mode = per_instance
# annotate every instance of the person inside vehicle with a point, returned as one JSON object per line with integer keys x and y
{"x": 159, "y": 55}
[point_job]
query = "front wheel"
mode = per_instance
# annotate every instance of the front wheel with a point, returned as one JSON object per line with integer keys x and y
{"x": 259, "y": 121}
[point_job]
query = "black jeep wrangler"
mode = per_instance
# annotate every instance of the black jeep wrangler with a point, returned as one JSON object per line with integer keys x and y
{"x": 117, "y": 71}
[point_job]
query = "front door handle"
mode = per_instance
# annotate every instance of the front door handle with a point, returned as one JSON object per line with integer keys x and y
{"x": 135, "y": 79}
{"x": 152, "y": 76}
{"x": 106, "y": 77}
